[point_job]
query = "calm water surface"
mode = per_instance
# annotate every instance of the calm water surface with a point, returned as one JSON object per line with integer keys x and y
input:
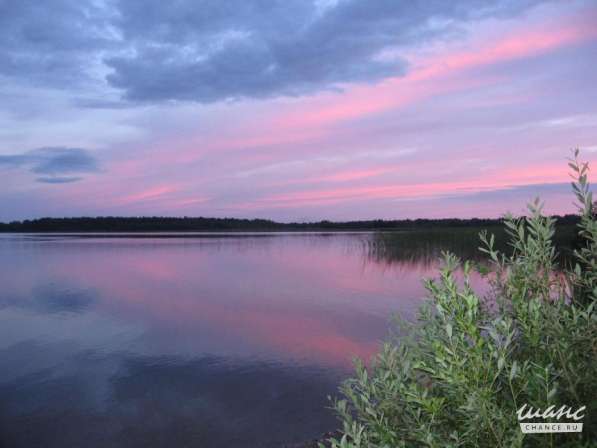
{"x": 201, "y": 341}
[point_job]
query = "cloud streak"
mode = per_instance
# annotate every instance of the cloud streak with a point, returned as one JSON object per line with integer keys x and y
{"x": 58, "y": 180}
{"x": 52, "y": 163}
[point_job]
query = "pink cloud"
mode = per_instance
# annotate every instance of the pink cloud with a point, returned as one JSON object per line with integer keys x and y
{"x": 497, "y": 179}
{"x": 149, "y": 194}
{"x": 424, "y": 79}
{"x": 351, "y": 175}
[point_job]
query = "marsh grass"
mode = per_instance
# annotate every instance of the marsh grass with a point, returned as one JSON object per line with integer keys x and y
{"x": 465, "y": 368}
{"x": 427, "y": 245}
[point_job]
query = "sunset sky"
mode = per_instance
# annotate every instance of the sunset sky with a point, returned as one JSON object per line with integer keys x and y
{"x": 293, "y": 109}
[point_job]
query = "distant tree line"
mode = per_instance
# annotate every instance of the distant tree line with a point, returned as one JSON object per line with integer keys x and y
{"x": 201, "y": 224}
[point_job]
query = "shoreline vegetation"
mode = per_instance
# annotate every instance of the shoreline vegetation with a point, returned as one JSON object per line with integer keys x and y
{"x": 114, "y": 224}
{"x": 393, "y": 241}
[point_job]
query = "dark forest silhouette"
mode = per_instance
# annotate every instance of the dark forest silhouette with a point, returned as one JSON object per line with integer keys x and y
{"x": 200, "y": 224}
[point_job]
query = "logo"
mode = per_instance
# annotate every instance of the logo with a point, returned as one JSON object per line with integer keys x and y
{"x": 571, "y": 418}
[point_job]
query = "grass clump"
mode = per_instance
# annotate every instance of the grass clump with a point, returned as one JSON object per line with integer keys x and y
{"x": 470, "y": 362}
{"x": 425, "y": 246}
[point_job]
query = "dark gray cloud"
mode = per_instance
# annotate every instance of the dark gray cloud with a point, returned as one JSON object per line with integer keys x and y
{"x": 218, "y": 50}
{"x": 52, "y": 43}
{"x": 53, "y": 163}
{"x": 214, "y": 50}
{"x": 58, "y": 180}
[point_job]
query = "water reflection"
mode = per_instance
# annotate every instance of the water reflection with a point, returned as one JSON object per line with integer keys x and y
{"x": 195, "y": 341}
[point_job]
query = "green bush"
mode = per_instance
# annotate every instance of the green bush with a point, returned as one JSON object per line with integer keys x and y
{"x": 464, "y": 369}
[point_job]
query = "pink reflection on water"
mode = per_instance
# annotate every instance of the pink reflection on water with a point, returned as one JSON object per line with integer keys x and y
{"x": 299, "y": 299}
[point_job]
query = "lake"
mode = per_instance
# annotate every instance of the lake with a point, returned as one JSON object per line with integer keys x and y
{"x": 214, "y": 340}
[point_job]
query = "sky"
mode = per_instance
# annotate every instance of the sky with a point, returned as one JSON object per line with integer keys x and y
{"x": 293, "y": 110}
